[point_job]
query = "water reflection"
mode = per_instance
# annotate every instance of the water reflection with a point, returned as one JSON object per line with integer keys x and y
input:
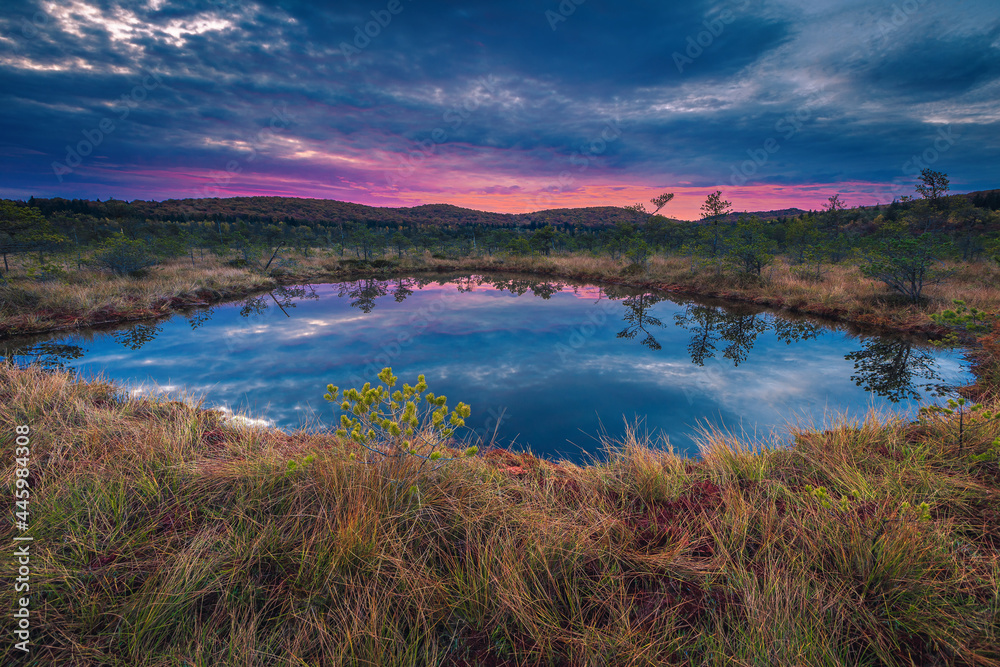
{"x": 42, "y": 351}
{"x": 200, "y": 318}
{"x": 711, "y": 325}
{"x": 893, "y": 368}
{"x": 402, "y": 291}
{"x": 48, "y": 354}
{"x": 137, "y": 335}
{"x": 364, "y": 293}
{"x": 637, "y": 319}
{"x": 283, "y": 298}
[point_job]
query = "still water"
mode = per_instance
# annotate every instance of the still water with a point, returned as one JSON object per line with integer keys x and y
{"x": 545, "y": 365}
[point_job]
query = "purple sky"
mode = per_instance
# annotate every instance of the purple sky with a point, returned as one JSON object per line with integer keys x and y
{"x": 505, "y": 106}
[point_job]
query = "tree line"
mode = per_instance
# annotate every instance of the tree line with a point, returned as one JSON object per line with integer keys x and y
{"x": 901, "y": 243}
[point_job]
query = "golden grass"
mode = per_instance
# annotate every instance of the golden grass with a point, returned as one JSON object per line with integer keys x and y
{"x": 89, "y": 297}
{"x": 167, "y": 535}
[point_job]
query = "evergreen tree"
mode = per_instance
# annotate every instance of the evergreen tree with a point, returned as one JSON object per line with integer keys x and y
{"x": 24, "y": 228}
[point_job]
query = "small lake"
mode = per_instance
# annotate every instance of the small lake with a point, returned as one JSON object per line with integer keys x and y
{"x": 546, "y": 364}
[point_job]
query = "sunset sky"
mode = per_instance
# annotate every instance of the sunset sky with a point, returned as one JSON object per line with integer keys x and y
{"x": 509, "y": 106}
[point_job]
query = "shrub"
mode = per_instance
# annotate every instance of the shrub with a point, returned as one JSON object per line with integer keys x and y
{"x": 254, "y": 255}
{"x": 401, "y": 422}
{"x": 904, "y": 262}
{"x": 750, "y": 248}
{"x": 124, "y": 256}
{"x": 519, "y": 247}
{"x": 962, "y": 320}
{"x": 639, "y": 253}
{"x": 46, "y": 271}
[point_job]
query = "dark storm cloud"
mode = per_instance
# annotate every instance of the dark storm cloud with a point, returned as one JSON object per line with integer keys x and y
{"x": 517, "y": 90}
{"x": 936, "y": 68}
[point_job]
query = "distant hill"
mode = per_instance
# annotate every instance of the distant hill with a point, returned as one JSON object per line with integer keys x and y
{"x": 331, "y": 211}
{"x": 985, "y": 199}
{"x": 293, "y": 210}
{"x": 981, "y": 198}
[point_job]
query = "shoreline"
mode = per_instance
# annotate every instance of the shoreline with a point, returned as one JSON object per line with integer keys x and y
{"x": 21, "y": 325}
{"x": 880, "y": 314}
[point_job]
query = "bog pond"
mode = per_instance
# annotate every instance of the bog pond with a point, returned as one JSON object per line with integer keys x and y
{"x": 545, "y": 365}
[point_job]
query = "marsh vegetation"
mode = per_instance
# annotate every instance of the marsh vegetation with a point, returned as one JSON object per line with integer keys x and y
{"x": 166, "y": 533}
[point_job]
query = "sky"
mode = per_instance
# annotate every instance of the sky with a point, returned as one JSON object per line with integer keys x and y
{"x": 509, "y": 106}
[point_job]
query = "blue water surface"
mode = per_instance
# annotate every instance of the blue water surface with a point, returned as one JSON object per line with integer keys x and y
{"x": 547, "y": 366}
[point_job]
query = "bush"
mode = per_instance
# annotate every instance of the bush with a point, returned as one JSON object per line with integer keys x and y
{"x": 255, "y": 255}
{"x": 638, "y": 253}
{"x": 124, "y": 256}
{"x": 46, "y": 272}
{"x": 904, "y": 262}
{"x": 401, "y": 422}
{"x": 519, "y": 247}
{"x": 750, "y": 248}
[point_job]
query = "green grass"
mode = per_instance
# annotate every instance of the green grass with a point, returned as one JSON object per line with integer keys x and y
{"x": 168, "y": 535}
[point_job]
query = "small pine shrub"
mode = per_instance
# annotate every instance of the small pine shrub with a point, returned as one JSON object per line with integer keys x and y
{"x": 408, "y": 421}
{"x": 124, "y": 256}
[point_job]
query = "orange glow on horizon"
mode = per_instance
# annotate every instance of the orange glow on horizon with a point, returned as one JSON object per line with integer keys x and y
{"x": 686, "y": 204}
{"x": 526, "y": 197}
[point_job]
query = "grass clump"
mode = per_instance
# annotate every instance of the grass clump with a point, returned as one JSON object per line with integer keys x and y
{"x": 166, "y": 534}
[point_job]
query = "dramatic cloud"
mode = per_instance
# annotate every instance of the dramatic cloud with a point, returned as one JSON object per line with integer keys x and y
{"x": 509, "y": 106}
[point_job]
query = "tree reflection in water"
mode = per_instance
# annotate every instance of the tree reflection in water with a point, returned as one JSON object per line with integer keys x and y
{"x": 404, "y": 288}
{"x": 50, "y": 355}
{"x": 711, "y": 325}
{"x": 364, "y": 292}
{"x": 137, "y": 335}
{"x": 284, "y": 297}
{"x": 200, "y": 317}
{"x": 890, "y": 367}
{"x": 253, "y": 306}
{"x": 741, "y": 331}
{"x": 637, "y": 319}
{"x": 519, "y": 286}
{"x": 795, "y": 332}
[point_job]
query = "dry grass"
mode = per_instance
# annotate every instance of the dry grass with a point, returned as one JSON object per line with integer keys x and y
{"x": 166, "y": 535}
{"x": 90, "y": 297}
{"x": 841, "y": 293}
